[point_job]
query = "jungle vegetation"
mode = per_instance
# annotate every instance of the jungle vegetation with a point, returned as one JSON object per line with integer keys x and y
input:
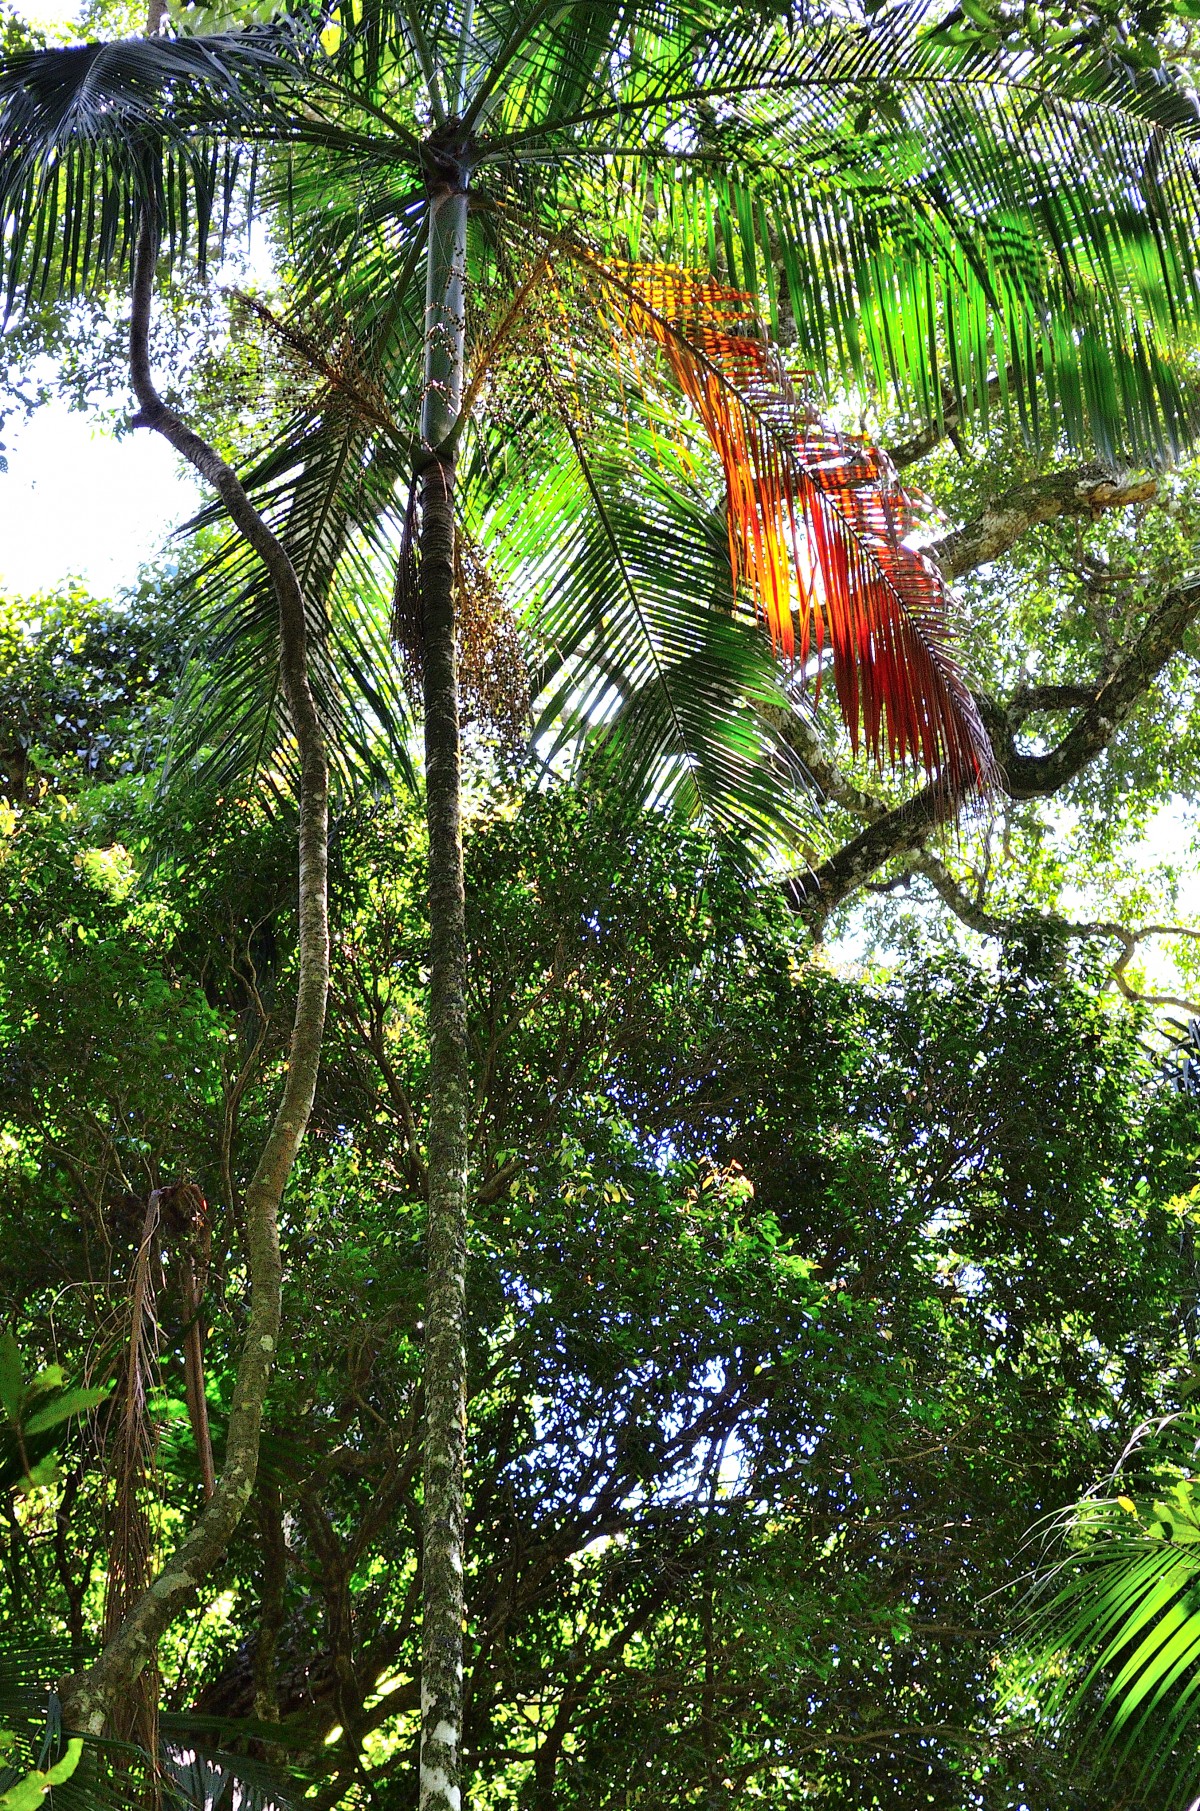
{"x": 594, "y": 1214}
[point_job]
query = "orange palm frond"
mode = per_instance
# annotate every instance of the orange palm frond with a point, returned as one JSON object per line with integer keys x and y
{"x": 818, "y": 526}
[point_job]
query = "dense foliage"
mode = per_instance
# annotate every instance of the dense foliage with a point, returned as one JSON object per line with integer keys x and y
{"x": 827, "y": 1220}
{"x": 796, "y": 1298}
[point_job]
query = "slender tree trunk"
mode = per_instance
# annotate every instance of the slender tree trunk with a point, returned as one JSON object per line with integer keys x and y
{"x": 90, "y": 1696}
{"x": 445, "y": 1306}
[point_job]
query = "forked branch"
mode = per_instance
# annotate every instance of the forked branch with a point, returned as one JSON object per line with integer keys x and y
{"x": 1128, "y": 938}
{"x": 1103, "y": 709}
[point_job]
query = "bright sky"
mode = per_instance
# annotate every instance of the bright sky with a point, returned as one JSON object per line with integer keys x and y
{"x": 50, "y": 16}
{"x": 75, "y": 502}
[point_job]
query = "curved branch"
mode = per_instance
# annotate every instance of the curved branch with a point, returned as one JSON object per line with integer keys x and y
{"x": 908, "y": 452}
{"x": 903, "y": 830}
{"x": 988, "y": 924}
{"x": 89, "y": 1697}
{"x": 1081, "y": 491}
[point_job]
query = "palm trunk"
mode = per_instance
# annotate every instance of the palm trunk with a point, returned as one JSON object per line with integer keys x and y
{"x": 446, "y": 1238}
{"x": 90, "y": 1697}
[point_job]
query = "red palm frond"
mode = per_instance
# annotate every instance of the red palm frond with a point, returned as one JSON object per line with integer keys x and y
{"x": 819, "y": 526}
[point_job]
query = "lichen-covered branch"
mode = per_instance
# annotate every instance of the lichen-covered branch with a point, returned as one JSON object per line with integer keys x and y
{"x": 1082, "y": 491}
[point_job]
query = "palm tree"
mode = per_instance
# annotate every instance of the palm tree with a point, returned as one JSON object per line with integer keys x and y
{"x": 534, "y": 250}
{"x": 1107, "y": 1641}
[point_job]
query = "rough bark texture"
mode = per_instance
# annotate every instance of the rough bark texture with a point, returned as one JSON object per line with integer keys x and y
{"x": 1080, "y": 492}
{"x": 445, "y": 1307}
{"x": 90, "y": 1696}
{"x": 272, "y": 1587}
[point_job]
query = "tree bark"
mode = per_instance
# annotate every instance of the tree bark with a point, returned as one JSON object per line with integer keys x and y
{"x": 442, "y": 1596}
{"x": 1079, "y": 491}
{"x": 271, "y": 1599}
{"x": 1106, "y": 707}
{"x": 89, "y": 1697}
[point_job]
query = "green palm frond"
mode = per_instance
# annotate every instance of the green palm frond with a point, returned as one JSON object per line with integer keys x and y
{"x": 90, "y": 134}
{"x": 331, "y": 494}
{"x": 618, "y": 568}
{"x": 199, "y": 1775}
{"x": 928, "y": 223}
{"x": 1107, "y": 1642}
{"x": 332, "y": 486}
{"x": 931, "y": 220}
{"x": 198, "y": 1772}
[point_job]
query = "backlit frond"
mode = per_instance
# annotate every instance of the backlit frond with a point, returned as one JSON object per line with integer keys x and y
{"x": 819, "y": 525}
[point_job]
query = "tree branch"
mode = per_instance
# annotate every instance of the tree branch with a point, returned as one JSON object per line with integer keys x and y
{"x": 971, "y": 913}
{"x": 90, "y": 1697}
{"x": 903, "y": 830}
{"x": 926, "y": 438}
{"x": 1082, "y": 491}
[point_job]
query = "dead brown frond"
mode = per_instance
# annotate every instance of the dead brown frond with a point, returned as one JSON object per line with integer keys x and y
{"x": 132, "y": 1465}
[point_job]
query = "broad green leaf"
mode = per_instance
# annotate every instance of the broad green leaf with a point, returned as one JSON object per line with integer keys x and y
{"x": 72, "y": 1402}
{"x": 12, "y": 1378}
{"x": 50, "y": 1377}
{"x": 28, "y": 1793}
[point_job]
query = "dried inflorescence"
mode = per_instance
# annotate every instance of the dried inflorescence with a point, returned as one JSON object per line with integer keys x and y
{"x": 493, "y": 674}
{"x": 312, "y": 352}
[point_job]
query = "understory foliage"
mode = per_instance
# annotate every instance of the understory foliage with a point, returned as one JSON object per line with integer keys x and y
{"x": 592, "y": 408}
{"x": 797, "y": 1297}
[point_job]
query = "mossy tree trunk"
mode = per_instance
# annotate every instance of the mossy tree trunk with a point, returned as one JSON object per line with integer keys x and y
{"x": 445, "y": 1306}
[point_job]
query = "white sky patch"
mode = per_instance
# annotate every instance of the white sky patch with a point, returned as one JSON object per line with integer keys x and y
{"x": 57, "y": 18}
{"x": 78, "y": 503}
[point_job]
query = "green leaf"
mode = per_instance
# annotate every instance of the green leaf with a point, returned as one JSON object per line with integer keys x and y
{"x": 28, "y": 1793}
{"x": 71, "y": 1402}
{"x": 50, "y": 1377}
{"x": 41, "y": 1476}
{"x": 12, "y": 1378}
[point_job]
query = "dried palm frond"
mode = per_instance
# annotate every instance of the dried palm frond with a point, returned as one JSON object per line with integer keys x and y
{"x": 819, "y": 524}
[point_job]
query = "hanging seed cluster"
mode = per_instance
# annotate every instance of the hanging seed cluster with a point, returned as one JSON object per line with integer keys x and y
{"x": 493, "y": 674}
